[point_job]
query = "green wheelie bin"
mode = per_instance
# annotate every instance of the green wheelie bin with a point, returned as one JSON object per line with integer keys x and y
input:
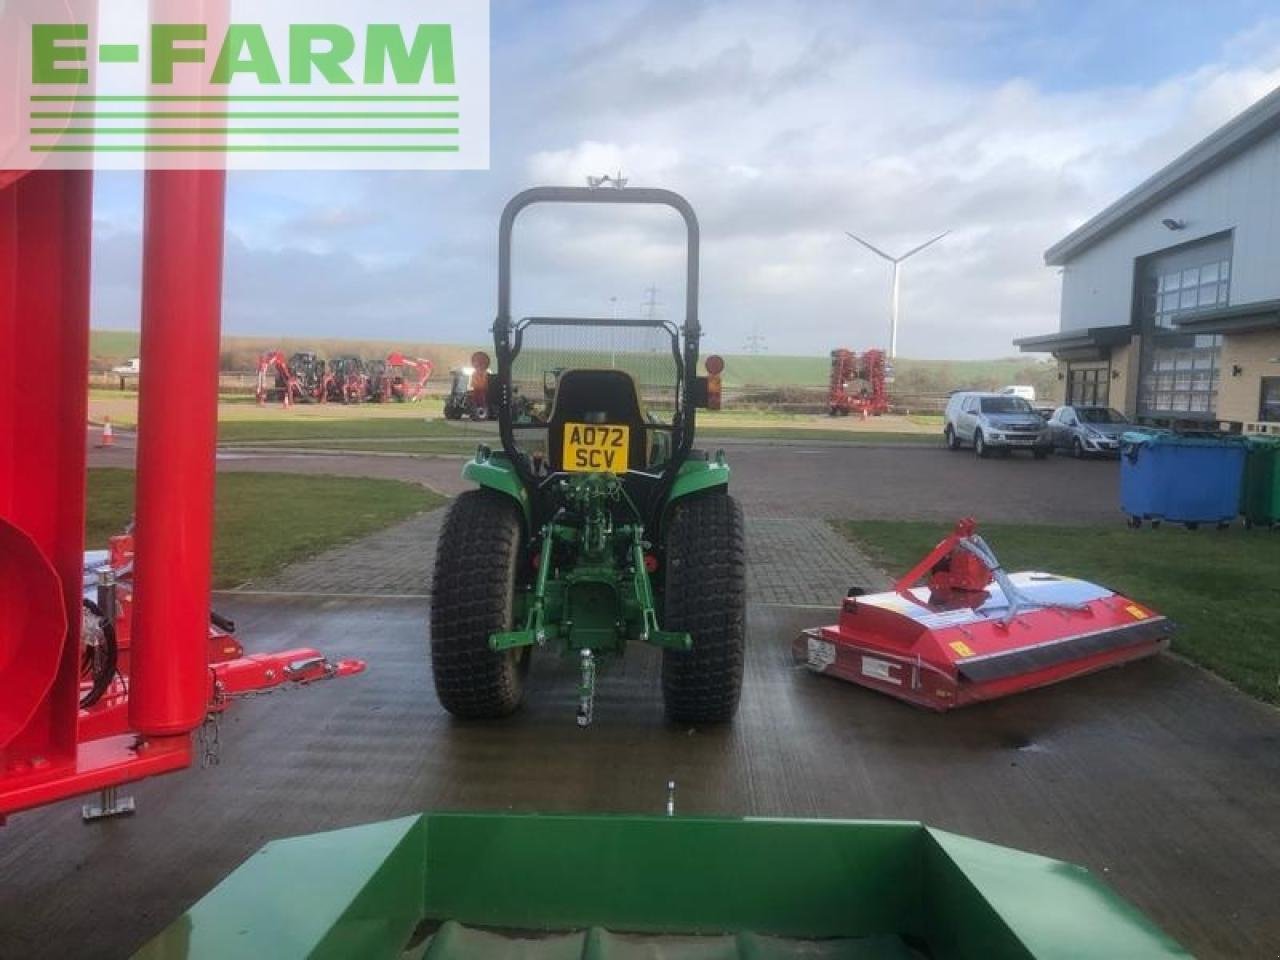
{"x": 1260, "y": 493}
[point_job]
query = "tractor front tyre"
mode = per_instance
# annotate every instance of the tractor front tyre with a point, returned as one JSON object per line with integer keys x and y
{"x": 705, "y": 596}
{"x": 473, "y": 596}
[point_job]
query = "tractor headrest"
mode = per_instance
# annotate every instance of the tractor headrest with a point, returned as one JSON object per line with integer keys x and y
{"x": 597, "y": 396}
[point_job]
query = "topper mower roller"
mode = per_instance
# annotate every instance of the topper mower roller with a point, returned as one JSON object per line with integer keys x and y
{"x": 597, "y": 523}
{"x": 973, "y": 632}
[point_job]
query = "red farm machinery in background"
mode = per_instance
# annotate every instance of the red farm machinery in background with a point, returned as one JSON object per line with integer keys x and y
{"x": 347, "y": 381}
{"x": 306, "y": 378}
{"x": 166, "y": 685}
{"x": 859, "y": 383}
{"x": 399, "y": 378}
{"x": 300, "y": 378}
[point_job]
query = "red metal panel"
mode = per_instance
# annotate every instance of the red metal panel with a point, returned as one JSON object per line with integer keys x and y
{"x": 99, "y": 763}
{"x": 178, "y": 407}
{"x": 45, "y": 220}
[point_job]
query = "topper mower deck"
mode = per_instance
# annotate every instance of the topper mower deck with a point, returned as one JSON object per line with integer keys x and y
{"x": 973, "y": 632}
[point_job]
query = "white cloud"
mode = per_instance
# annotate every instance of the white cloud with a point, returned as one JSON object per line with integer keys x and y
{"x": 784, "y": 124}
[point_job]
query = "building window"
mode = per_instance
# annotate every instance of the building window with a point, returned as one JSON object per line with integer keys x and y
{"x": 1180, "y": 372}
{"x": 1190, "y": 290}
{"x": 1182, "y": 378}
{"x": 1088, "y": 386}
{"x": 1269, "y": 408}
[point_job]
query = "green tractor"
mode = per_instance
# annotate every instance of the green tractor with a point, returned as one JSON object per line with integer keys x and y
{"x": 597, "y": 523}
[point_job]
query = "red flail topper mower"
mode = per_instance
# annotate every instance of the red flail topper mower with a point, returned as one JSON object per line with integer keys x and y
{"x": 972, "y": 632}
{"x": 72, "y": 723}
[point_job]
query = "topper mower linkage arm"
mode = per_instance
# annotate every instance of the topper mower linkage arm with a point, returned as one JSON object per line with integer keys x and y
{"x": 965, "y": 537}
{"x": 964, "y": 528}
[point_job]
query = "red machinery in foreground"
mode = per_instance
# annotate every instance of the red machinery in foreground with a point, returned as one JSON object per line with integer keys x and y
{"x": 106, "y": 628}
{"x": 858, "y": 384}
{"x": 51, "y": 748}
{"x": 973, "y": 632}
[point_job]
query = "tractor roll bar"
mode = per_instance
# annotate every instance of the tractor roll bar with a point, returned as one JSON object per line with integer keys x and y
{"x": 503, "y": 328}
{"x": 644, "y": 195}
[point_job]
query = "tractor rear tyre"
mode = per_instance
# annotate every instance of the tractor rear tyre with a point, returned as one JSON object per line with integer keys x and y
{"x": 705, "y": 594}
{"x": 473, "y": 596}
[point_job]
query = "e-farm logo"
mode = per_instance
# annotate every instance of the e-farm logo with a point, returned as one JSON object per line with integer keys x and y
{"x": 401, "y": 84}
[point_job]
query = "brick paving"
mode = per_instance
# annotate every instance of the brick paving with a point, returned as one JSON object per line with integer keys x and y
{"x": 395, "y": 561}
{"x": 790, "y": 560}
{"x": 804, "y": 562}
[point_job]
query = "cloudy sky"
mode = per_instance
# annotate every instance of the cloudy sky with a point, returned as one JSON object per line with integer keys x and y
{"x": 1008, "y": 122}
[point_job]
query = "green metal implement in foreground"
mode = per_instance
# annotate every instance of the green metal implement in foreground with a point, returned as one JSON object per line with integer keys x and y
{"x": 445, "y": 886}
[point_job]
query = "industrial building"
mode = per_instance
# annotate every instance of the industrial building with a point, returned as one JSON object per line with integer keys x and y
{"x": 1171, "y": 295}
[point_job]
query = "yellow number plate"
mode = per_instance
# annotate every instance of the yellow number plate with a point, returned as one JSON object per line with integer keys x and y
{"x": 596, "y": 448}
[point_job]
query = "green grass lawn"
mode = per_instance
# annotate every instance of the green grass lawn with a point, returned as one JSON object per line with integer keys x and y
{"x": 432, "y": 446}
{"x": 422, "y": 435}
{"x": 291, "y": 429}
{"x": 1220, "y": 587}
{"x": 460, "y": 443}
{"x": 265, "y": 521}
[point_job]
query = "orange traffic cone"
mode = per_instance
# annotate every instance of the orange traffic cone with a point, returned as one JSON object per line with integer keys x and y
{"x": 108, "y": 435}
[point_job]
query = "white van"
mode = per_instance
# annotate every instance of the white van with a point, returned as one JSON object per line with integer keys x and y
{"x": 1025, "y": 391}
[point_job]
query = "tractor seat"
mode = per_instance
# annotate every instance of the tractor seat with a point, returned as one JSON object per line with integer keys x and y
{"x": 597, "y": 397}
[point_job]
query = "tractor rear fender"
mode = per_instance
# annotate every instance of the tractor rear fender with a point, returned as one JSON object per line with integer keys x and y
{"x": 495, "y": 471}
{"x": 695, "y": 476}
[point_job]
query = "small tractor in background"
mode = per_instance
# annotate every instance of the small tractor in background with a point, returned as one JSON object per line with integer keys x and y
{"x": 858, "y": 383}
{"x": 347, "y": 381}
{"x": 597, "y": 523}
{"x": 469, "y": 391}
{"x": 299, "y": 379}
{"x": 312, "y": 377}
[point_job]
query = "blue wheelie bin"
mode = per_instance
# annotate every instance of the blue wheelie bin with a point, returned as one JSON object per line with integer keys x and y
{"x": 1182, "y": 478}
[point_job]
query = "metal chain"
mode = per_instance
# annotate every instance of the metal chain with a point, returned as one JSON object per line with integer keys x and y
{"x": 211, "y": 741}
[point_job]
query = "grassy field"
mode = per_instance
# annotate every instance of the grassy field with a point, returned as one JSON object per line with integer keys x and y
{"x": 265, "y": 521}
{"x": 420, "y": 427}
{"x": 1220, "y": 587}
{"x": 422, "y": 435}
{"x": 112, "y": 347}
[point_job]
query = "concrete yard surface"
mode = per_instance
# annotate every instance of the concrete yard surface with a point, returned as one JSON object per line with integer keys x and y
{"x": 1156, "y": 776}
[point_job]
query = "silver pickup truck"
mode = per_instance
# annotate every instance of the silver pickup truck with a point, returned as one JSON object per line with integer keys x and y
{"x": 995, "y": 421}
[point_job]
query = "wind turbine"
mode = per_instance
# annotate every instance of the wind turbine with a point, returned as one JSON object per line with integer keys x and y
{"x": 897, "y": 281}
